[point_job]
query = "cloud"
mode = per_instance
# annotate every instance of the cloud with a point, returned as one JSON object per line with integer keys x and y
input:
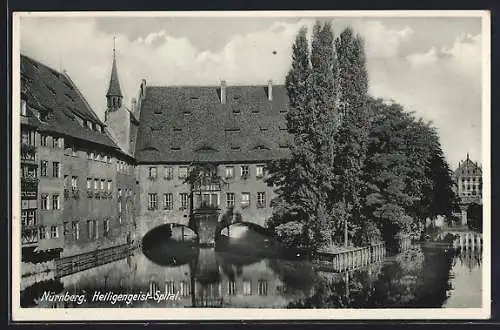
{"x": 441, "y": 84}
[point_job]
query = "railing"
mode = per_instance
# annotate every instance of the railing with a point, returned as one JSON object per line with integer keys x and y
{"x": 349, "y": 259}
{"x": 29, "y": 235}
{"x": 90, "y": 193}
{"x": 29, "y": 187}
{"x": 80, "y": 262}
{"x": 28, "y": 153}
{"x": 207, "y": 206}
{"x": 209, "y": 302}
{"x": 468, "y": 240}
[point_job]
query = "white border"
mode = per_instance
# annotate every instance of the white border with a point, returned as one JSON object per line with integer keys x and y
{"x": 176, "y": 314}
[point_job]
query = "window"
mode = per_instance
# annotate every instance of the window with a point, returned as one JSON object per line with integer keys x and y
{"x": 31, "y": 217}
{"x": 119, "y": 206}
{"x": 109, "y": 159}
{"x": 45, "y": 202}
{"x": 230, "y": 199}
{"x": 229, "y": 172}
{"x": 103, "y": 183}
{"x": 23, "y": 108}
{"x": 43, "y": 140}
{"x": 247, "y": 288}
{"x": 106, "y": 228}
{"x": 184, "y": 201}
{"x": 91, "y": 156}
{"x": 90, "y": 229}
{"x": 185, "y": 289}
{"x": 89, "y": 183}
{"x": 119, "y": 192}
{"x": 96, "y": 226}
{"x": 167, "y": 201}
{"x": 262, "y": 288}
{"x": 153, "y": 202}
{"x": 170, "y": 287}
{"x": 261, "y": 199}
{"x": 74, "y": 182}
{"x": 183, "y": 172}
{"x": 73, "y": 150}
{"x": 56, "y": 142}
{"x": 152, "y": 173}
{"x": 259, "y": 171}
{"x": 54, "y": 232}
{"x": 55, "y": 202}
{"x": 66, "y": 228}
{"x": 44, "y": 164}
{"x": 42, "y": 232}
{"x": 169, "y": 173}
{"x": 96, "y": 184}
{"x": 245, "y": 199}
{"x": 244, "y": 172}
{"x": 76, "y": 229}
{"x": 110, "y": 184}
{"x": 55, "y": 169}
{"x": 231, "y": 288}
{"x": 65, "y": 182}
{"x": 105, "y": 158}
{"x": 24, "y": 218}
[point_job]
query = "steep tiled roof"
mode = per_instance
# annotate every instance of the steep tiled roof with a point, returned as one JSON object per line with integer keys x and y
{"x": 185, "y": 124}
{"x": 468, "y": 168}
{"x": 114, "y": 84}
{"x": 46, "y": 89}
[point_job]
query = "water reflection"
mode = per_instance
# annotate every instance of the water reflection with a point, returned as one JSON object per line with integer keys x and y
{"x": 192, "y": 277}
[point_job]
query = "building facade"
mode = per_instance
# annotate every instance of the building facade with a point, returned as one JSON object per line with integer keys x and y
{"x": 468, "y": 178}
{"x": 237, "y": 130}
{"x": 72, "y": 170}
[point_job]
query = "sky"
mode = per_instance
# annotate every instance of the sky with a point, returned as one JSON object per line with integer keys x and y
{"x": 432, "y": 66}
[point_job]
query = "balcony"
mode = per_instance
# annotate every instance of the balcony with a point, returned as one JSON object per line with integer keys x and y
{"x": 28, "y": 153}
{"x": 29, "y": 235}
{"x": 207, "y": 206}
{"x": 90, "y": 193}
{"x": 29, "y": 187}
{"x": 66, "y": 194}
{"x": 97, "y": 194}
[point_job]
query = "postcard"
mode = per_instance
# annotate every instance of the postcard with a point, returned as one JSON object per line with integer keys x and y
{"x": 273, "y": 165}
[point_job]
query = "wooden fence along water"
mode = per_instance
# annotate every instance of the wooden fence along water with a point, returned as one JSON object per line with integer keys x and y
{"x": 468, "y": 240}
{"x": 350, "y": 259}
{"x": 73, "y": 264}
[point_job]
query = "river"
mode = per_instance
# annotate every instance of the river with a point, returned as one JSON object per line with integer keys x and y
{"x": 178, "y": 275}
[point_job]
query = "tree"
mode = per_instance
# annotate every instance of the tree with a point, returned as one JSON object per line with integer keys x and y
{"x": 304, "y": 180}
{"x": 352, "y": 135}
{"x": 475, "y": 217}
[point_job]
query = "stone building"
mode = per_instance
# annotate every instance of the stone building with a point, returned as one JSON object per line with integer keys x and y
{"x": 237, "y": 130}
{"x": 71, "y": 170}
{"x": 468, "y": 179}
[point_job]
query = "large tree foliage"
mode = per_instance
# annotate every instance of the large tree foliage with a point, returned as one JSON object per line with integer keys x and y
{"x": 304, "y": 181}
{"x": 354, "y": 160}
{"x": 352, "y": 136}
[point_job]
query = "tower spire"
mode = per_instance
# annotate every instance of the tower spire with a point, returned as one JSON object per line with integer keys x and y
{"x": 114, "y": 94}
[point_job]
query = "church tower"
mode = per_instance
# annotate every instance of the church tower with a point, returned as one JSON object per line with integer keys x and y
{"x": 114, "y": 94}
{"x": 117, "y": 116}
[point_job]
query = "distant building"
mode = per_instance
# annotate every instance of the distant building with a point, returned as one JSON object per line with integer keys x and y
{"x": 468, "y": 178}
{"x": 73, "y": 174}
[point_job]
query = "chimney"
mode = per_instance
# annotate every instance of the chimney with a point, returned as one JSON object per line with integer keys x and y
{"x": 134, "y": 104}
{"x": 223, "y": 91}
{"x": 270, "y": 90}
